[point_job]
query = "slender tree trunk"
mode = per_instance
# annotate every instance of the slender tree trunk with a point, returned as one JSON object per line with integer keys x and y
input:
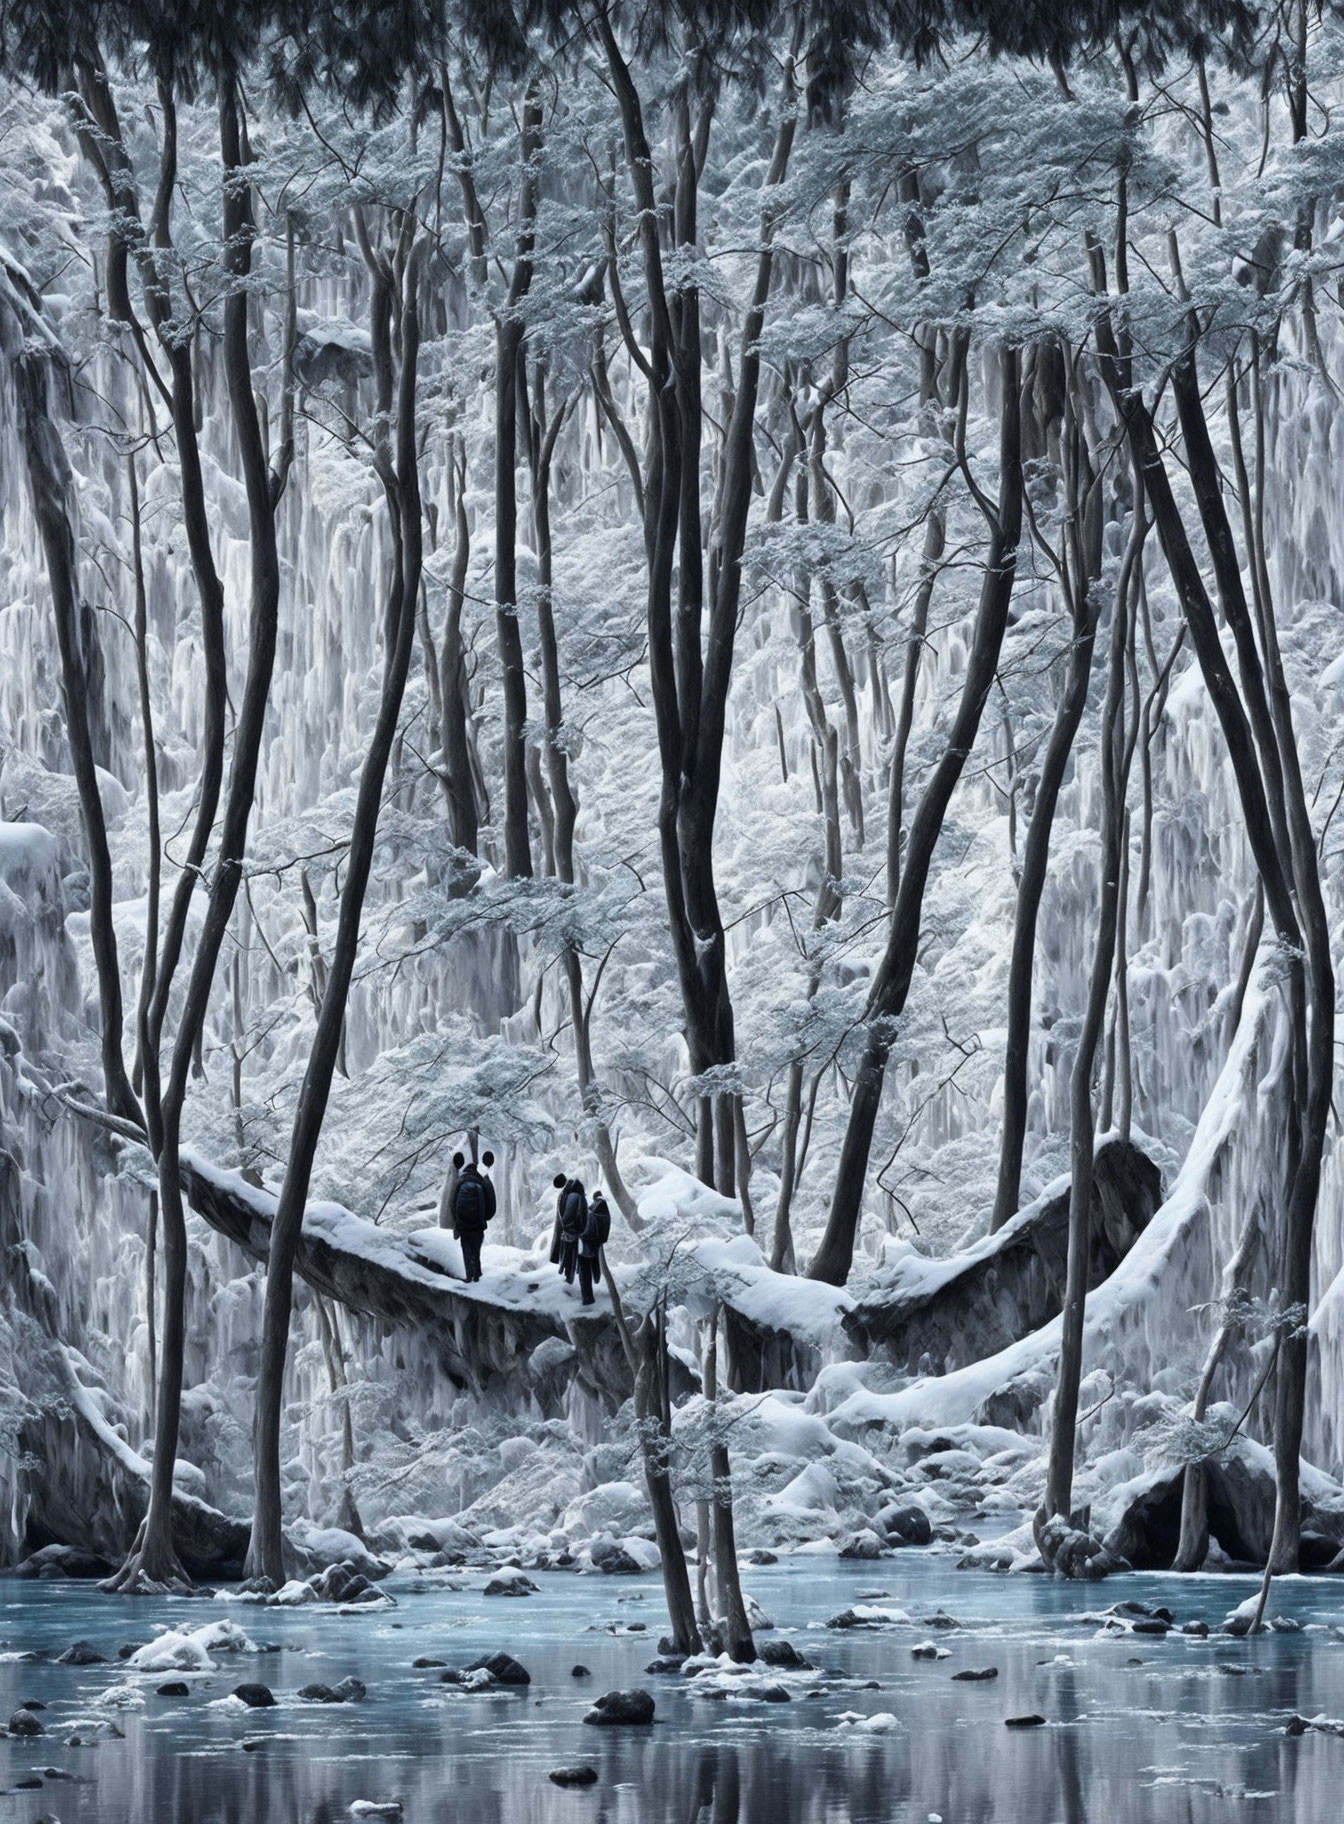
{"x": 892, "y": 984}
{"x": 49, "y": 482}
{"x": 1083, "y": 561}
{"x": 738, "y": 1643}
{"x": 153, "y": 1560}
{"x": 646, "y": 1353}
{"x": 508, "y": 346}
{"x": 1064, "y": 1421}
{"x": 402, "y": 485}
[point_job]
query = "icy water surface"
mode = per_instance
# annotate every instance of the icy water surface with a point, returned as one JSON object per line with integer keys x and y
{"x": 1191, "y": 1733}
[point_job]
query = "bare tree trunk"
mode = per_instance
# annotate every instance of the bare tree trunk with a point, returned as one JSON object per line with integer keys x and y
{"x": 892, "y": 984}
{"x": 646, "y": 1353}
{"x": 1078, "y": 567}
{"x": 153, "y": 1560}
{"x": 1193, "y": 1546}
{"x": 738, "y": 1643}
{"x": 50, "y": 485}
{"x": 458, "y": 780}
{"x": 508, "y": 344}
{"x": 402, "y": 486}
{"x": 334, "y": 1355}
{"x": 1064, "y": 1421}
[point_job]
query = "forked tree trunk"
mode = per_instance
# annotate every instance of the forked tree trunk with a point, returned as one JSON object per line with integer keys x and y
{"x": 153, "y": 1560}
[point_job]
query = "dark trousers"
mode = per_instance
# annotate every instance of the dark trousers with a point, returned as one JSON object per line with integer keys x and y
{"x": 586, "y": 1279}
{"x": 471, "y": 1254}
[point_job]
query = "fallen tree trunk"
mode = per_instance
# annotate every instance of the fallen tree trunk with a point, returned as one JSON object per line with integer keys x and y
{"x": 478, "y": 1341}
{"x": 942, "y": 1315}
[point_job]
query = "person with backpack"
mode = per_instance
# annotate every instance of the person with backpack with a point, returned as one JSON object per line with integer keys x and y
{"x": 473, "y": 1206}
{"x": 572, "y": 1246}
{"x": 595, "y": 1236}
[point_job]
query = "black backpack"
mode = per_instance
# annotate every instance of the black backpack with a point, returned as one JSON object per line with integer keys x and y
{"x": 573, "y": 1212}
{"x": 469, "y": 1205}
{"x": 599, "y": 1222}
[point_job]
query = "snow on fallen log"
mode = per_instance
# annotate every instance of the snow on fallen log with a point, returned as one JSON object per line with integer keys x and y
{"x": 937, "y": 1315}
{"x": 1148, "y": 1306}
{"x": 482, "y": 1334}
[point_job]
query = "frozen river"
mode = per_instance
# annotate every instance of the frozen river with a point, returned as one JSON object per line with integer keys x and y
{"x": 1139, "y": 1728}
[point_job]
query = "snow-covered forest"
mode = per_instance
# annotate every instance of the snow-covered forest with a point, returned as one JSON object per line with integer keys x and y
{"x": 743, "y": 602}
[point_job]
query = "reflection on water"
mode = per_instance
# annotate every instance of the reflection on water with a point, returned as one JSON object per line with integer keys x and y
{"x": 1140, "y": 1729}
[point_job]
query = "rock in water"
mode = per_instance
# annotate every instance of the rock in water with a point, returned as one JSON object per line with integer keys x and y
{"x": 256, "y": 1697}
{"x": 579, "y": 1672}
{"x": 669, "y": 1662}
{"x": 612, "y": 1559}
{"x": 176, "y": 1687}
{"x": 517, "y": 1585}
{"x": 622, "y": 1707}
{"x": 1023, "y": 1722}
{"x": 782, "y": 1653}
{"x": 23, "y": 1722}
{"x": 865, "y": 1544}
{"x": 907, "y": 1525}
{"x": 503, "y": 1668}
{"x": 82, "y": 1653}
{"x": 573, "y": 1776}
{"x": 976, "y": 1677}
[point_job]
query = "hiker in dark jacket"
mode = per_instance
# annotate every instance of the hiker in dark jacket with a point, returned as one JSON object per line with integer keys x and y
{"x": 473, "y": 1206}
{"x": 573, "y": 1244}
{"x": 596, "y": 1234}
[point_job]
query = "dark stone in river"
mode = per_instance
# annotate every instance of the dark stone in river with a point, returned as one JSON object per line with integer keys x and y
{"x": 82, "y": 1653}
{"x": 349, "y": 1691}
{"x": 573, "y": 1776}
{"x": 622, "y": 1707}
{"x": 256, "y": 1697}
{"x": 424, "y": 1664}
{"x": 667, "y": 1662}
{"x": 908, "y": 1525}
{"x": 975, "y": 1677}
{"x": 612, "y": 1559}
{"x": 774, "y": 1694}
{"x": 781, "y": 1653}
{"x": 517, "y": 1585}
{"x": 176, "y": 1687}
{"x": 502, "y": 1667}
{"x": 1198, "y": 1628}
{"x": 1023, "y": 1722}
{"x": 23, "y": 1722}
{"x": 579, "y": 1672}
